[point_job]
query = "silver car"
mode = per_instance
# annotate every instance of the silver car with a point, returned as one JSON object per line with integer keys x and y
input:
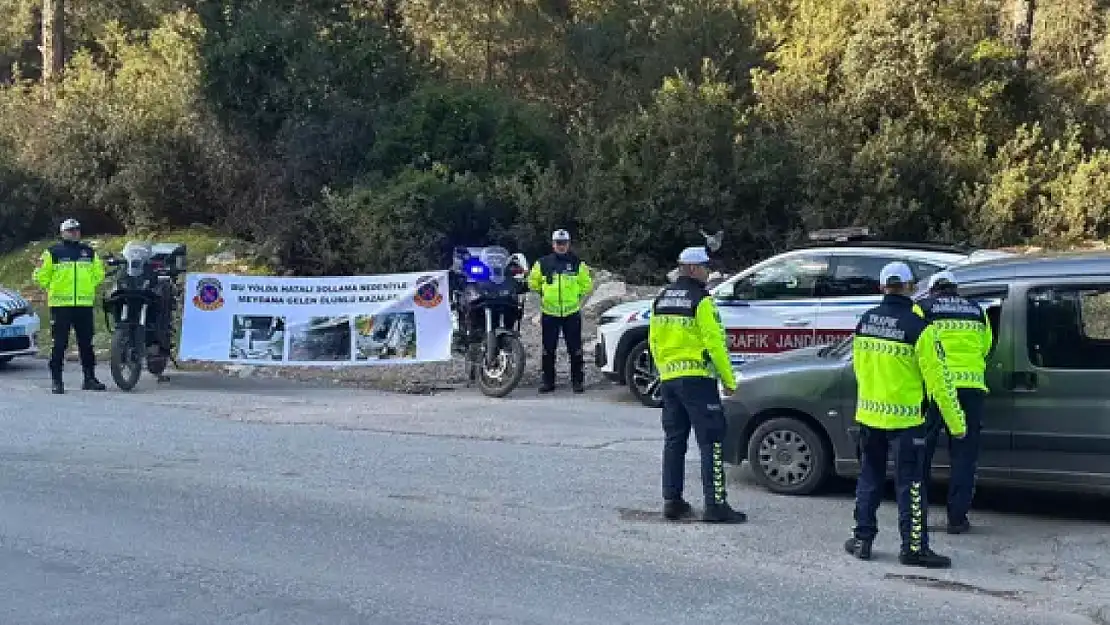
{"x": 19, "y": 326}
{"x": 1046, "y": 421}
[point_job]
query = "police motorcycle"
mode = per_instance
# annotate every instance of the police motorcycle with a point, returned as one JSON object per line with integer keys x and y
{"x": 140, "y": 309}
{"x": 487, "y": 286}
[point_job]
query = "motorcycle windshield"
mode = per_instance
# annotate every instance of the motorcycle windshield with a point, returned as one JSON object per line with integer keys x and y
{"x": 483, "y": 264}
{"x": 137, "y": 254}
{"x": 497, "y": 259}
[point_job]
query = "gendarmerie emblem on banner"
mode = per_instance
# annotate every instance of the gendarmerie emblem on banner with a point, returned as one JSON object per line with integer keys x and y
{"x": 427, "y": 292}
{"x": 209, "y": 295}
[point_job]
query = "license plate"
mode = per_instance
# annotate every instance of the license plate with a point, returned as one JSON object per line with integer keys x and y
{"x": 11, "y": 332}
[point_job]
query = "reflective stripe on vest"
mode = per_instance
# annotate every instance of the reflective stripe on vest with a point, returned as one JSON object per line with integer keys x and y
{"x": 888, "y": 409}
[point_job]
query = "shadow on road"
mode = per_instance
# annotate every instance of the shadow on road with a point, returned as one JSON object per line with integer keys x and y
{"x": 1001, "y": 500}
{"x": 1006, "y": 500}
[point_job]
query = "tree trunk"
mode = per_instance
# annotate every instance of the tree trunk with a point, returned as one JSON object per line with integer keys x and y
{"x": 53, "y": 37}
{"x": 1027, "y": 10}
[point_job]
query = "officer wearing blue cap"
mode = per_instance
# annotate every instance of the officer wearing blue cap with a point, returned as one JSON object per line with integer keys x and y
{"x": 688, "y": 344}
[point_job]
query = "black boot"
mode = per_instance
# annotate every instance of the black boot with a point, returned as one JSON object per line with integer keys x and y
{"x": 959, "y": 528}
{"x": 926, "y": 558}
{"x": 577, "y": 375}
{"x": 91, "y": 383}
{"x": 677, "y": 509}
{"x": 547, "y": 364}
{"x": 859, "y": 548}
{"x": 722, "y": 513}
{"x": 56, "y": 386}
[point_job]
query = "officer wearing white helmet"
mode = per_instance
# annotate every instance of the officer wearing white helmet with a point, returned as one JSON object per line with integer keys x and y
{"x": 965, "y": 335}
{"x": 898, "y": 363}
{"x": 70, "y": 273}
{"x": 562, "y": 281}
{"x": 688, "y": 344}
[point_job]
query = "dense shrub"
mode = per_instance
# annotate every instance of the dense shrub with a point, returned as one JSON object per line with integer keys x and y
{"x": 353, "y": 137}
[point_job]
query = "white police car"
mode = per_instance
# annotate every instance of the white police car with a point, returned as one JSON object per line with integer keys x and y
{"x": 18, "y": 326}
{"x": 810, "y": 295}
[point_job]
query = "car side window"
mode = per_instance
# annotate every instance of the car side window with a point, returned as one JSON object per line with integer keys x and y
{"x": 795, "y": 277}
{"x": 855, "y": 275}
{"x": 922, "y": 271}
{"x": 1069, "y": 327}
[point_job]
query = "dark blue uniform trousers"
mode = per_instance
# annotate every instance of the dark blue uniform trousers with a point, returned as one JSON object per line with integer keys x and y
{"x": 693, "y": 402}
{"x": 963, "y": 453}
{"x": 909, "y": 477}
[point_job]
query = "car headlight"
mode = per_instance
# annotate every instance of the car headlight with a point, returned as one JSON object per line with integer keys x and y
{"x": 607, "y": 319}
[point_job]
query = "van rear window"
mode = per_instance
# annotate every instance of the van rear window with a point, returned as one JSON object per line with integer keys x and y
{"x": 1069, "y": 327}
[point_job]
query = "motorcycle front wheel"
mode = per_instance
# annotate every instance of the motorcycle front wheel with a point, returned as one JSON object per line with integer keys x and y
{"x": 499, "y": 378}
{"x": 126, "y": 364}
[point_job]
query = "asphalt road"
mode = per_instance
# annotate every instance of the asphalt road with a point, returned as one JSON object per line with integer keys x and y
{"x": 217, "y": 500}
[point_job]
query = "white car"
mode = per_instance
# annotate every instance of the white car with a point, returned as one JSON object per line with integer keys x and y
{"x": 811, "y": 295}
{"x": 19, "y": 326}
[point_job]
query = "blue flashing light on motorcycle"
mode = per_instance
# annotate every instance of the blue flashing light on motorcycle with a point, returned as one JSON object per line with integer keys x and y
{"x": 476, "y": 270}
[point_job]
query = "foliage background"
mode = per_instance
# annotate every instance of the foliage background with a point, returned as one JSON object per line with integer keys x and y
{"x": 371, "y": 136}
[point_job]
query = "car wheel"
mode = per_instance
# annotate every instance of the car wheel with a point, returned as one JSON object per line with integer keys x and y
{"x": 788, "y": 457}
{"x": 642, "y": 376}
{"x": 4, "y": 360}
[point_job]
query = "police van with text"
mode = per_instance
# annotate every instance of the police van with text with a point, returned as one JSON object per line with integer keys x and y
{"x": 810, "y": 295}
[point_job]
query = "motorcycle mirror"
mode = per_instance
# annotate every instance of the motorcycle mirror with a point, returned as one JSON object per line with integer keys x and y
{"x": 521, "y": 261}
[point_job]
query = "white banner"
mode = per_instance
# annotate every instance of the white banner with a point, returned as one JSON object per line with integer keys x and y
{"x": 335, "y": 321}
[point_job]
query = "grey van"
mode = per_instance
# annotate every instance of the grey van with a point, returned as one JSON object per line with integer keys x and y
{"x": 1046, "y": 423}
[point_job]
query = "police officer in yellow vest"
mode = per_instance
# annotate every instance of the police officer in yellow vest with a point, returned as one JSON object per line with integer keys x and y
{"x": 562, "y": 281}
{"x": 897, "y": 357}
{"x": 688, "y": 344}
{"x": 966, "y": 336}
{"x": 70, "y": 273}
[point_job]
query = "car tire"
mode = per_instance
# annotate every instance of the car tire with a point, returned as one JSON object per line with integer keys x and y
{"x": 4, "y": 360}
{"x": 639, "y": 371}
{"x": 789, "y": 457}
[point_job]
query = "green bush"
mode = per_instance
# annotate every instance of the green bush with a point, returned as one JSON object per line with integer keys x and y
{"x": 406, "y": 223}
{"x": 354, "y": 137}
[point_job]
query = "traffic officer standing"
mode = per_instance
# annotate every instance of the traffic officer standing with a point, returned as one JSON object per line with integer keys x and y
{"x": 896, "y": 357}
{"x": 562, "y": 281}
{"x": 70, "y": 272}
{"x": 688, "y": 344}
{"x": 965, "y": 334}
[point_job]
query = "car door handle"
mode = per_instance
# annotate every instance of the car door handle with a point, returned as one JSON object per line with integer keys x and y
{"x": 1022, "y": 382}
{"x": 796, "y": 323}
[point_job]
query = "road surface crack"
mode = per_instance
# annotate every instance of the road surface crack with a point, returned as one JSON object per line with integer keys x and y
{"x": 621, "y": 441}
{"x": 943, "y": 584}
{"x": 484, "y": 438}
